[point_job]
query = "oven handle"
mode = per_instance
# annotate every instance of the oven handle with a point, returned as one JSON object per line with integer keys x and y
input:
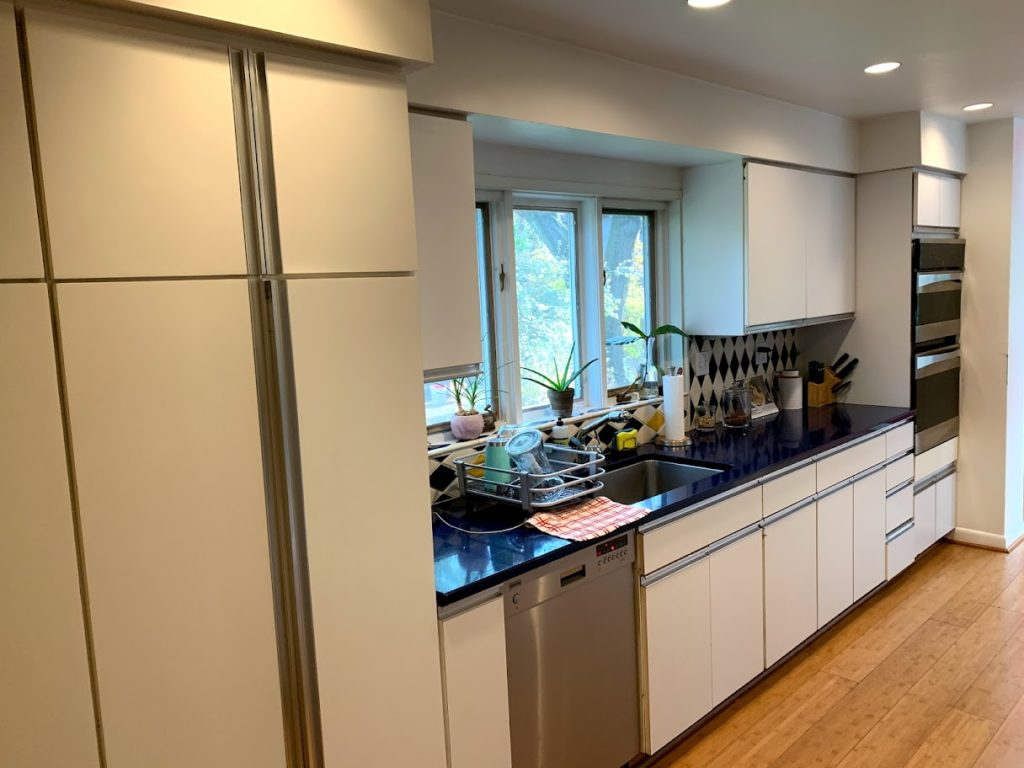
{"x": 938, "y": 361}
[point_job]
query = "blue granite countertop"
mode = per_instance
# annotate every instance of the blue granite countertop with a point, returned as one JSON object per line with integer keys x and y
{"x": 485, "y": 553}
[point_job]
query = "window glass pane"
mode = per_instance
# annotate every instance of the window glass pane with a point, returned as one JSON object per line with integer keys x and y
{"x": 545, "y": 245}
{"x": 440, "y": 405}
{"x": 626, "y": 244}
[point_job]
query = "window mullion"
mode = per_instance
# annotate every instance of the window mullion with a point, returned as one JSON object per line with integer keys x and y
{"x": 506, "y": 321}
{"x": 591, "y": 303}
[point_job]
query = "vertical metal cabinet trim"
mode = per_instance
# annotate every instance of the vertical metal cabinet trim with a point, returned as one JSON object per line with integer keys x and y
{"x": 62, "y": 390}
{"x": 278, "y": 417}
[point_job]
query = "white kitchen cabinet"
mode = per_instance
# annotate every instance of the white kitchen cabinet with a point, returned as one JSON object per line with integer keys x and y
{"x": 869, "y": 529}
{"x": 831, "y": 245}
{"x": 790, "y": 581}
{"x": 776, "y": 244}
{"x": 377, "y": 641}
{"x": 945, "y": 506}
{"x": 737, "y": 615}
{"x": 341, "y": 168}
{"x": 448, "y": 273}
{"x": 139, "y": 158}
{"x": 20, "y": 252}
{"x": 476, "y": 687}
{"x": 46, "y": 710}
{"x": 766, "y": 246}
{"x": 835, "y": 554}
{"x": 676, "y": 642}
{"x": 936, "y": 200}
{"x": 924, "y": 519}
{"x": 163, "y": 411}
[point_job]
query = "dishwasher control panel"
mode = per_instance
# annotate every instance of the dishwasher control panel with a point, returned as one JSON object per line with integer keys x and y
{"x": 613, "y": 551}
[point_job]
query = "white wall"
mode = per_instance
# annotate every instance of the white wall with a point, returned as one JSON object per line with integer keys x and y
{"x": 505, "y": 167}
{"x": 483, "y": 69}
{"x": 985, "y": 410}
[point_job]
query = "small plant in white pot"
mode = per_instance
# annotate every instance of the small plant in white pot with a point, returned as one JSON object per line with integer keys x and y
{"x": 561, "y": 392}
{"x": 467, "y": 422}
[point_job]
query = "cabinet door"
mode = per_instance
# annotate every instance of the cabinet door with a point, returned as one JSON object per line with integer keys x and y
{"x": 737, "y": 616}
{"x": 139, "y": 157}
{"x": 924, "y": 519}
{"x": 869, "y": 529}
{"x": 476, "y": 687}
{"x": 835, "y": 554}
{"x": 20, "y": 253}
{"x": 831, "y": 245}
{"x": 945, "y": 506}
{"x": 376, "y": 643}
{"x": 949, "y": 201}
{"x": 46, "y": 712}
{"x": 341, "y": 168}
{"x": 164, "y": 417}
{"x": 790, "y": 581}
{"x": 927, "y": 197}
{"x": 677, "y": 648}
{"x": 776, "y": 254}
{"x": 449, "y": 279}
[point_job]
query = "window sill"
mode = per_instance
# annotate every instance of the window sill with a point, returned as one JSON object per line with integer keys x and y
{"x": 541, "y": 424}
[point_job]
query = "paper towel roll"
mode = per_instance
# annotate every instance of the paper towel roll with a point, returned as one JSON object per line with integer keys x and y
{"x": 675, "y": 407}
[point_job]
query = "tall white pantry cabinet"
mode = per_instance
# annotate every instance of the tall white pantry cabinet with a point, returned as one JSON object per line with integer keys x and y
{"x": 142, "y": 563}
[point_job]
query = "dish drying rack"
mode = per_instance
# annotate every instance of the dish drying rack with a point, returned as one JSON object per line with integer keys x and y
{"x": 575, "y": 475}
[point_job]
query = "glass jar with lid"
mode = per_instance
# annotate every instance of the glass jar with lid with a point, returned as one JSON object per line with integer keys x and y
{"x": 736, "y": 406}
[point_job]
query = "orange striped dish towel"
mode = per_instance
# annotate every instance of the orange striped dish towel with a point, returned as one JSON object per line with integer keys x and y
{"x": 587, "y": 520}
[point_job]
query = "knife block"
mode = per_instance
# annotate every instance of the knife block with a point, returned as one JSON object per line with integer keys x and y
{"x": 821, "y": 394}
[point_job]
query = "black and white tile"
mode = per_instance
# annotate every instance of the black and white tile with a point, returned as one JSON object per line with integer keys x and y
{"x": 734, "y": 358}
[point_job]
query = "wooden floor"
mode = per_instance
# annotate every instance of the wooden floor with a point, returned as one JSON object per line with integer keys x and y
{"x": 929, "y": 672}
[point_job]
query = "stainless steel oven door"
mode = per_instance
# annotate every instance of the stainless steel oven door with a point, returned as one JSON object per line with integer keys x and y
{"x": 936, "y": 396}
{"x": 937, "y": 305}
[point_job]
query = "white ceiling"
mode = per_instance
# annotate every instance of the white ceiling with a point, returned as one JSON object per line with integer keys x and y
{"x": 808, "y": 52}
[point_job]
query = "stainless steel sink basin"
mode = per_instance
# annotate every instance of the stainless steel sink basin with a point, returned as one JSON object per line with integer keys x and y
{"x": 645, "y": 479}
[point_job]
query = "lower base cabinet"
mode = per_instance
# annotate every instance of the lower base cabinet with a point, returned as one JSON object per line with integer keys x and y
{"x": 924, "y": 519}
{"x": 737, "y": 614}
{"x": 790, "y": 581}
{"x": 835, "y": 554}
{"x": 869, "y": 509}
{"x": 945, "y": 506}
{"x": 676, "y": 684}
{"x": 476, "y": 687}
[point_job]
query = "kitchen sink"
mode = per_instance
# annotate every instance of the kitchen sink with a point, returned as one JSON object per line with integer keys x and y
{"x": 645, "y": 479}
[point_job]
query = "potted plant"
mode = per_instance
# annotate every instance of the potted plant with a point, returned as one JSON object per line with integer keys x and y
{"x": 467, "y": 422}
{"x": 648, "y": 374}
{"x": 561, "y": 392}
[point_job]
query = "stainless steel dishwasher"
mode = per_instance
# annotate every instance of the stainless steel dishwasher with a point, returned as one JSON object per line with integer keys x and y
{"x": 570, "y": 635}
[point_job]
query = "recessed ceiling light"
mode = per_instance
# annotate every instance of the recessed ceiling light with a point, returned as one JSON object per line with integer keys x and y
{"x": 882, "y": 68}
{"x": 979, "y": 106}
{"x": 706, "y": 3}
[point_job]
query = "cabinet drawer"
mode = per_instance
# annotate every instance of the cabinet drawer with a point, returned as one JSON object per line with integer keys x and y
{"x": 899, "y": 508}
{"x": 899, "y": 472}
{"x": 787, "y": 490}
{"x": 848, "y": 463}
{"x": 678, "y": 539}
{"x": 900, "y": 552}
{"x": 899, "y": 440}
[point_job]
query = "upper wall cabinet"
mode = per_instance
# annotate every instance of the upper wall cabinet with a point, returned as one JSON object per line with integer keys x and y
{"x": 341, "y": 166}
{"x": 449, "y": 280}
{"x": 766, "y": 246}
{"x": 20, "y": 254}
{"x": 137, "y": 139}
{"x": 936, "y": 200}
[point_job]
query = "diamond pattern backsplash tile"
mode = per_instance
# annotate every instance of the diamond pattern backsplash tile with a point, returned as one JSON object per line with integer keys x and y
{"x": 734, "y": 358}
{"x": 646, "y": 419}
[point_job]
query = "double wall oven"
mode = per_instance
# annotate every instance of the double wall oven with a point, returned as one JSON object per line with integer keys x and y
{"x": 938, "y": 284}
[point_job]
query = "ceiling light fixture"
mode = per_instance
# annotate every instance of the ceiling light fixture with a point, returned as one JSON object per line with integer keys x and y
{"x": 882, "y": 68}
{"x": 979, "y": 106}
{"x": 706, "y": 3}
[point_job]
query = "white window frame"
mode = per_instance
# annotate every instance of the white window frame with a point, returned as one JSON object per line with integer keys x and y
{"x": 664, "y": 274}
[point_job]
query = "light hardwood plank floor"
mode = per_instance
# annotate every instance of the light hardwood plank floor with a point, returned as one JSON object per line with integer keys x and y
{"x": 928, "y": 672}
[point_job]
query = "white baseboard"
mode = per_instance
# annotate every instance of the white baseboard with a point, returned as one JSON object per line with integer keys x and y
{"x": 980, "y": 539}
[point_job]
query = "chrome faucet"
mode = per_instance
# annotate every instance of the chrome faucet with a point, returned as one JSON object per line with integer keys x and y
{"x": 578, "y": 440}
